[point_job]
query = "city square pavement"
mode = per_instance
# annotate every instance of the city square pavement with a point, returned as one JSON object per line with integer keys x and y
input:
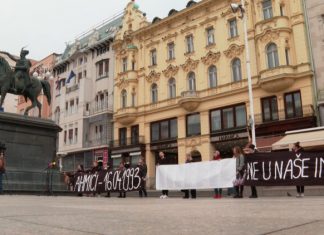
{"x": 74, "y": 215}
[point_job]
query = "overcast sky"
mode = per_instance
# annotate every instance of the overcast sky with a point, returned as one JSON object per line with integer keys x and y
{"x": 45, "y": 25}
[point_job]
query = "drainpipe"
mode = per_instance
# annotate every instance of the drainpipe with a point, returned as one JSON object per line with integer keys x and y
{"x": 311, "y": 58}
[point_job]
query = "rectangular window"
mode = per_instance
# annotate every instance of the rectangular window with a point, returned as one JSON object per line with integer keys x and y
{"x": 233, "y": 28}
{"x": 124, "y": 65}
{"x": 282, "y": 12}
{"x": 228, "y": 118}
{"x": 210, "y": 36}
{"x": 189, "y": 44}
{"x": 122, "y": 136}
{"x": 270, "y": 109}
{"x": 135, "y": 134}
{"x": 287, "y": 56}
{"x": 171, "y": 54}
{"x": 293, "y": 105}
{"x": 71, "y": 136}
{"x": 102, "y": 68}
{"x": 193, "y": 124}
{"x": 65, "y": 135}
{"x": 153, "y": 57}
{"x": 85, "y": 73}
{"x": 75, "y": 135}
{"x": 267, "y": 9}
{"x": 164, "y": 130}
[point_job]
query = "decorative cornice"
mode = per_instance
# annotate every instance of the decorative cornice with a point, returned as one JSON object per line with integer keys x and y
{"x": 190, "y": 65}
{"x": 269, "y": 35}
{"x": 208, "y": 19}
{"x": 188, "y": 28}
{"x": 170, "y": 35}
{"x": 170, "y": 71}
{"x": 122, "y": 84}
{"x": 153, "y": 77}
{"x": 152, "y": 43}
{"x": 234, "y": 50}
{"x": 211, "y": 58}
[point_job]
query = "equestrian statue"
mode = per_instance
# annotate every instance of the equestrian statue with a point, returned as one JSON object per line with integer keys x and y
{"x": 18, "y": 81}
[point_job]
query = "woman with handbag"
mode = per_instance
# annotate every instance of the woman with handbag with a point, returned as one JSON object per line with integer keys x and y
{"x": 240, "y": 171}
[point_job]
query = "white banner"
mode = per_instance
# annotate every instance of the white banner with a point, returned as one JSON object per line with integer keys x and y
{"x": 200, "y": 175}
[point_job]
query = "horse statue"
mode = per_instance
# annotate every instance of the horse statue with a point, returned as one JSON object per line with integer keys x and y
{"x": 18, "y": 82}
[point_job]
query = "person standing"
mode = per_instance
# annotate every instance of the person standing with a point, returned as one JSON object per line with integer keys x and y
{"x": 250, "y": 149}
{"x": 2, "y": 170}
{"x": 300, "y": 188}
{"x": 218, "y": 191}
{"x": 193, "y": 192}
{"x": 238, "y": 155}
{"x": 80, "y": 170}
{"x": 122, "y": 168}
{"x": 163, "y": 161}
{"x": 142, "y": 165}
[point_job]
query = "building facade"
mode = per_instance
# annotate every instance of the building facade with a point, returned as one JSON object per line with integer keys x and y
{"x": 315, "y": 18}
{"x": 181, "y": 84}
{"x": 42, "y": 69}
{"x": 83, "y": 97}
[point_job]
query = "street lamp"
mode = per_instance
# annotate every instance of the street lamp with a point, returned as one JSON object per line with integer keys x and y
{"x": 235, "y": 8}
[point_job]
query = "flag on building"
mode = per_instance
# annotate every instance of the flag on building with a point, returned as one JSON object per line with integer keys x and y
{"x": 72, "y": 75}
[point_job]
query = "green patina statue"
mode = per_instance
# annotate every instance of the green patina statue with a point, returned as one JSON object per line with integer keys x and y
{"x": 19, "y": 82}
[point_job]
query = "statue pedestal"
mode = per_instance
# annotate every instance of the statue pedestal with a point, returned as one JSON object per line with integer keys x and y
{"x": 31, "y": 146}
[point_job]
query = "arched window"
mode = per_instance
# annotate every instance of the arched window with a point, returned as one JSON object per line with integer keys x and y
{"x": 272, "y": 55}
{"x": 154, "y": 93}
{"x": 212, "y": 76}
{"x": 172, "y": 88}
{"x": 236, "y": 70}
{"x": 123, "y": 99}
{"x": 191, "y": 81}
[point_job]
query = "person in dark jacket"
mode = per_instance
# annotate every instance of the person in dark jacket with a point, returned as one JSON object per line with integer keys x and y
{"x": 193, "y": 192}
{"x": 163, "y": 161}
{"x": 250, "y": 149}
{"x": 300, "y": 188}
{"x": 240, "y": 164}
{"x": 141, "y": 164}
{"x": 122, "y": 168}
{"x": 80, "y": 170}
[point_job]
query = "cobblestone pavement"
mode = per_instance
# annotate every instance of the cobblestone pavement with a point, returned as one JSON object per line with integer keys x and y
{"x": 74, "y": 215}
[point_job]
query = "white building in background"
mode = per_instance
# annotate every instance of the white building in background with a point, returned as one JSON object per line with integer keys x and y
{"x": 11, "y": 101}
{"x": 83, "y": 96}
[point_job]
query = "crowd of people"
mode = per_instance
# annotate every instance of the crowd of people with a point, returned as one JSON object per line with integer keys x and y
{"x": 238, "y": 184}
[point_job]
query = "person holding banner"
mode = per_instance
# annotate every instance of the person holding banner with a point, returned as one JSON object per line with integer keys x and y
{"x": 80, "y": 170}
{"x": 141, "y": 164}
{"x": 193, "y": 192}
{"x": 240, "y": 171}
{"x": 300, "y": 188}
{"x": 250, "y": 149}
{"x": 218, "y": 191}
{"x": 122, "y": 168}
{"x": 163, "y": 161}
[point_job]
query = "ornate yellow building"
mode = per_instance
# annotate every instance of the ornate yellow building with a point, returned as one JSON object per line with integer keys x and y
{"x": 181, "y": 83}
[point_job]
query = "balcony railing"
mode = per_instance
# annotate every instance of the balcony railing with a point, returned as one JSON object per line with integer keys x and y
{"x": 72, "y": 88}
{"x": 189, "y": 94}
{"x": 99, "y": 141}
{"x": 98, "y": 107}
{"x": 281, "y": 115}
{"x": 127, "y": 142}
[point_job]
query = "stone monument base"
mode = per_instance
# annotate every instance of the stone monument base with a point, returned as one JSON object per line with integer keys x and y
{"x": 30, "y": 147}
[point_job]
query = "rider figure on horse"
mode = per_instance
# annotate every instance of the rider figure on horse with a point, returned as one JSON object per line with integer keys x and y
{"x": 22, "y": 69}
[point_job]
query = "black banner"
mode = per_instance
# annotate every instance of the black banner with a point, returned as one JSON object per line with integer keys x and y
{"x": 285, "y": 168}
{"x": 109, "y": 181}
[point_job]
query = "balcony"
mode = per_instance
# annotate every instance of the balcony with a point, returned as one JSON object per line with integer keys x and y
{"x": 96, "y": 142}
{"x": 126, "y": 116}
{"x": 277, "y": 79}
{"x": 72, "y": 88}
{"x": 281, "y": 122}
{"x": 189, "y": 100}
{"x": 127, "y": 142}
{"x": 98, "y": 108}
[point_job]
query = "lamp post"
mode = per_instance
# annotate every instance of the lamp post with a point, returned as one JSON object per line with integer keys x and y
{"x": 235, "y": 7}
